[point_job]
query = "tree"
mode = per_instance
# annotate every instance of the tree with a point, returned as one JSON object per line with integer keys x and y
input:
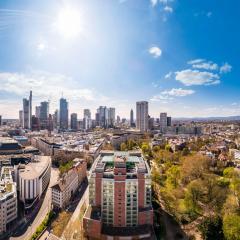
{"x": 231, "y": 227}
{"x": 211, "y": 228}
{"x": 145, "y": 148}
{"x": 173, "y": 175}
{"x": 193, "y": 167}
{"x": 193, "y": 195}
{"x": 123, "y": 147}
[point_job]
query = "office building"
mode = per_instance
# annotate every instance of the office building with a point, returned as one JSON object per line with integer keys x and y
{"x": 103, "y": 115}
{"x": 21, "y": 118}
{"x": 131, "y": 119}
{"x": 163, "y": 120}
{"x": 87, "y": 121}
{"x": 63, "y": 115}
{"x": 74, "y": 121}
{"x": 119, "y": 197}
{"x": 8, "y": 198}
{"x": 142, "y": 116}
{"x": 44, "y": 113}
{"x": 37, "y": 111}
{"x": 27, "y": 112}
{"x": 169, "y": 121}
{"x": 33, "y": 179}
{"x": 111, "y": 117}
{"x": 0, "y": 120}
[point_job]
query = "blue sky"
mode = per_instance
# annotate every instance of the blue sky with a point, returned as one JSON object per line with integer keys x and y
{"x": 181, "y": 56}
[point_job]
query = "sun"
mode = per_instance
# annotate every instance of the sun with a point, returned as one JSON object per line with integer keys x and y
{"x": 68, "y": 22}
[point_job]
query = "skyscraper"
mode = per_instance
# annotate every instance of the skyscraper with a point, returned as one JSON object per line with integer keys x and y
{"x": 21, "y": 118}
{"x": 26, "y": 121}
{"x": 131, "y": 119}
{"x": 63, "y": 114}
{"x": 111, "y": 117}
{"x": 87, "y": 121}
{"x": 30, "y": 110}
{"x": 27, "y": 112}
{"x": 37, "y": 111}
{"x": 74, "y": 122}
{"x": 44, "y": 113}
{"x": 163, "y": 120}
{"x": 142, "y": 116}
{"x": 103, "y": 115}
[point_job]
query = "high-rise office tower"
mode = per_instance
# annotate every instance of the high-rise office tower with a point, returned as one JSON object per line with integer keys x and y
{"x": 87, "y": 113}
{"x": 44, "y": 113}
{"x": 103, "y": 115}
{"x": 131, "y": 119}
{"x": 169, "y": 121}
{"x": 142, "y": 116}
{"x": 37, "y": 111}
{"x": 74, "y": 121}
{"x": 118, "y": 119}
{"x": 111, "y": 117}
{"x": 163, "y": 120}
{"x": 55, "y": 119}
{"x": 0, "y": 120}
{"x": 120, "y": 205}
{"x": 63, "y": 116}
{"x": 87, "y": 121}
{"x": 21, "y": 118}
{"x": 26, "y": 115}
{"x": 30, "y": 110}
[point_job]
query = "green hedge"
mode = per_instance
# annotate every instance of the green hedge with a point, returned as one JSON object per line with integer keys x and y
{"x": 42, "y": 226}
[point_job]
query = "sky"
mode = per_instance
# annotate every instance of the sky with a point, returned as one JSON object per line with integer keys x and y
{"x": 182, "y": 56}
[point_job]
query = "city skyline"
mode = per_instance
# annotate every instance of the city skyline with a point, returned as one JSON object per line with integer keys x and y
{"x": 165, "y": 52}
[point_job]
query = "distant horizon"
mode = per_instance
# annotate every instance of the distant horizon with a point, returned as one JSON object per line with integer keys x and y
{"x": 176, "y": 55}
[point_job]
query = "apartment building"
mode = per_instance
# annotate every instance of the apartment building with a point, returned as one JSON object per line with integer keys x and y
{"x": 120, "y": 197}
{"x": 8, "y": 198}
{"x": 67, "y": 186}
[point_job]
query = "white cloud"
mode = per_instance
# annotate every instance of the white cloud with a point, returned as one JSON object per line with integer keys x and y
{"x": 206, "y": 65}
{"x": 44, "y": 85}
{"x": 203, "y": 64}
{"x": 168, "y": 75}
{"x": 154, "y": 2}
{"x": 194, "y": 77}
{"x": 178, "y": 92}
{"x": 195, "y": 61}
{"x": 168, "y": 9}
{"x": 155, "y": 51}
{"x": 225, "y": 68}
{"x": 41, "y": 47}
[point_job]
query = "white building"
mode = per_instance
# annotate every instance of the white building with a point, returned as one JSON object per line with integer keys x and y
{"x": 142, "y": 116}
{"x": 65, "y": 189}
{"x": 33, "y": 179}
{"x": 8, "y": 198}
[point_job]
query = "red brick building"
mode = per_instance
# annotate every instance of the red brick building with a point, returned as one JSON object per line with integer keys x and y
{"x": 120, "y": 197}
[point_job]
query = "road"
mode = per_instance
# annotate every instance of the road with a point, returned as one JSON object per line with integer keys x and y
{"x": 44, "y": 209}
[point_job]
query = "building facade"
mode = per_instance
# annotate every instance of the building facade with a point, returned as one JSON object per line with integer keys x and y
{"x": 63, "y": 114}
{"x": 8, "y": 198}
{"x": 142, "y": 116}
{"x": 120, "y": 197}
{"x": 69, "y": 183}
{"x": 33, "y": 179}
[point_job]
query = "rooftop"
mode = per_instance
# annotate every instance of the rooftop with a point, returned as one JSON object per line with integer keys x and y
{"x": 35, "y": 168}
{"x": 132, "y": 161}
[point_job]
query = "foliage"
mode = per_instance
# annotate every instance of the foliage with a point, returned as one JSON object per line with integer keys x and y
{"x": 65, "y": 167}
{"x": 231, "y": 227}
{"x": 211, "y": 228}
{"x": 43, "y": 226}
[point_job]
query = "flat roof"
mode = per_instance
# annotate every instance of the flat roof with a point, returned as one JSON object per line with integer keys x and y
{"x": 35, "y": 168}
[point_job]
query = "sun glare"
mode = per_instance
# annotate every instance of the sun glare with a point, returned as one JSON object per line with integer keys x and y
{"x": 69, "y": 22}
